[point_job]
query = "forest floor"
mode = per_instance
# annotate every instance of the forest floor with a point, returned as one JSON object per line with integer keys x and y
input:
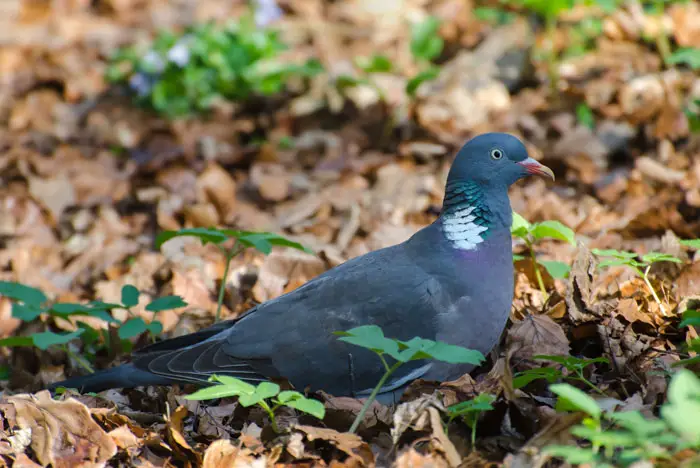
{"x": 88, "y": 179}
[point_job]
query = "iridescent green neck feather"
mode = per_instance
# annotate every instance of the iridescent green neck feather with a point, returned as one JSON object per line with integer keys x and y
{"x": 465, "y": 216}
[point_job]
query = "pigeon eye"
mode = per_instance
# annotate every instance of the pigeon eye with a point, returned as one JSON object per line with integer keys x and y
{"x": 496, "y": 154}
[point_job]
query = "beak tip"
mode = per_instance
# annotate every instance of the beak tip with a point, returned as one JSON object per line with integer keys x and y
{"x": 534, "y": 167}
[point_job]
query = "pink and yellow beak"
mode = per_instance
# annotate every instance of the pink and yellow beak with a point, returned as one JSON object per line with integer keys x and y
{"x": 534, "y": 167}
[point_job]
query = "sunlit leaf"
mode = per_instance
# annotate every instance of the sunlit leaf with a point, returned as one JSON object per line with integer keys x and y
{"x": 557, "y": 270}
{"x": 571, "y": 397}
{"x": 20, "y": 292}
{"x": 166, "y": 303}
{"x": 554, "y": 230}
{"x": 206, "y": 235}
{"x": 298, "y": 401}
{"x": 130, "y": 295}
{"x": 47, "y": 339}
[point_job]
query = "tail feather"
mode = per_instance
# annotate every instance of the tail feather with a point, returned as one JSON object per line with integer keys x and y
{"x": 125, "y": 376}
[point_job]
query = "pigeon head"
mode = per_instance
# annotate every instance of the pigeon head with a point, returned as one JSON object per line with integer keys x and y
{"x": 476, "y": 195}
{"x": 494, "y": 159}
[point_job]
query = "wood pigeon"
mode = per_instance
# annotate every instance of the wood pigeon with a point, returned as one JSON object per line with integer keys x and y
{"x": 452, "y": 281}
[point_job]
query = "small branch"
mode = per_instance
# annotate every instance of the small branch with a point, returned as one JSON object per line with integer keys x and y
{"x": 229, "y": 254}
{"x": 80, "y": 360}
{"x": 653, "y": 291}
{"x": 372, "y": 397}
{"x": 538, "y": 274}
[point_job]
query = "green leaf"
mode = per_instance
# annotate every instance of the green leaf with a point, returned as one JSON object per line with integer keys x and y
{"x": 557, "y": 270}
{"x": 554, "y": 230}
{"x": 613, "y": 253}
{"x": 20, "y": 292}
{"x": 523, "y": 378}
{"x": 66, "y": 309}
{"x": 585, "y": 115}
{"x": 47, "y": 339}
{"x": 4, "y": 373}
{"x": 517, "y": 257}
{"x": 692, "y": 243}
{"x": 687, "y": 55}
{"x": 421, "y": 77}
{"x": 17, "y": 341}
{"x": 690, "y": 318}
{"x": 263, "y": 241}
{"x": 426, "y": 44}
{"x": 653, "y": 257}
{"x": 574, "y": 398}
{"x": 370, "y": 337}
{"x": 131, "y": 328}
{"x": 376, "y": 64}
{"x": 298, "y": 401}
{"x": 682, "y": 411}
{"x": 420, "y": 348}
{"x": 155, "y": 327}
{"x": 571, "y": 454}
{"x": 520, "y": 226}
{"x": 226, "y": 387}
{"x": 206, "y": 235}
{"x": 130, "y": 296}
{"x": 166, "y": 303}
{"x": 25, "y": 312}
{"x": 480, "y": 403}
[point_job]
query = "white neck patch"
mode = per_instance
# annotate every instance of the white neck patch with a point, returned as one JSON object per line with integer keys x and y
{"x": 461, "y": 229}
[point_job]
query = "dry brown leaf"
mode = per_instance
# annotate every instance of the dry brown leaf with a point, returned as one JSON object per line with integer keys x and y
{"x": 223, "y": 453}
{"x": 629, "y": 309}
{"x": 62, "y": 432}
{"x": 350, "y": 444}
{"x": 536, "y": 334}
{"x": 177, "y": 440}
{"x": 283, "y": 266}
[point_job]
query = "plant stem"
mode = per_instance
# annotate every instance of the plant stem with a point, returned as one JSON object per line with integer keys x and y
{"x": 80, "y": 360}
{"x": 581, "y": 378}
{"x": 538, "y": 274}
{"x": 263, "y": 404}
{"x": 373, "y": 395}
{"x": 653, "y": 291}
{"x": 229, "y": 254}
{"x": 474, "y": 431}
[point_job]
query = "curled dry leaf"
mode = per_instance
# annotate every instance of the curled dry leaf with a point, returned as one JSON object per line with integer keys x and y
{"x": 350, "y": 444}
{"x": 579, "y": 293}
{"x": 423, "y": 414}
{"x": 63, "y": 433}
{"x": 224, "y": 453}
{"x": 177, "y": 440}
{"x": 536, "y": 334}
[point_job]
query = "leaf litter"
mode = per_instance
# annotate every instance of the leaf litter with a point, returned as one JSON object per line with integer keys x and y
{"x": 88, "y": 180}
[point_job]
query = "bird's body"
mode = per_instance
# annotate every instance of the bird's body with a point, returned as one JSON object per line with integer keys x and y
{"x": 452, "y": 281}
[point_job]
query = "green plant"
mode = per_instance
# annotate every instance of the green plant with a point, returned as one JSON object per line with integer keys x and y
{"x": 470, "y": 411}
{"x": 641, "y": 267}
{"x": 533, "y": 232}
{"x": 371, "y": 337}
{"x": 249, "y": 395}
{"x": 624, "y": 438}
{"x": 261, "y": 241}
{"x": 186, "y": 73}
{"x": 426, "y": 45}
{"x": 575, "y": 367}
{"x": 691, "y": 318}
{"x": 29, "y": 303}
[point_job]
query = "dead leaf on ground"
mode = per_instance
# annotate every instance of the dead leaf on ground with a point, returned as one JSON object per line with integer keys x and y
{"x": 62, "y": 432}
{"x": 351, "y": 445}
{"x": 536, "y": 334}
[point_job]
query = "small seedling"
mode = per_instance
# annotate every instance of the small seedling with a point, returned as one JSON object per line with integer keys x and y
{"x": 29, "y": 303}
{"x": 261, "y": 241}
{"x": 533, "y": 232}
{"x": 371, "y": 337}
{"x": 426, "y": 46}
{"x": 470, "y": 411}
{"x": 627, "y": 438}
{"x": 267, "y": 395}
{"x": 575, "y": 367}
{"x": 641, "y": 267}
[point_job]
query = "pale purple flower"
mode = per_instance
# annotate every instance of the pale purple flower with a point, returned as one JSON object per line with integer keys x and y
{"x": 153, "y": 62}
{"x": 141, "y": 83}
{"x": 179, "y": 54}
{"x": 266, "y": 11}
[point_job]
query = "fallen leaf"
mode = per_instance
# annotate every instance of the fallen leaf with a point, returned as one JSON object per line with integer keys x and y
{"x": 63, "y": 433}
